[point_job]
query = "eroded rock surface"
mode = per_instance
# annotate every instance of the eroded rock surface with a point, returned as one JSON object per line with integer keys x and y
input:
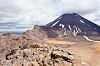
{"x": 43, "y": 56}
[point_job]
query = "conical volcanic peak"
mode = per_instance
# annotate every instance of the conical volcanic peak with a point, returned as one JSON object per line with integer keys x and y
{"x": 75, "y": 23}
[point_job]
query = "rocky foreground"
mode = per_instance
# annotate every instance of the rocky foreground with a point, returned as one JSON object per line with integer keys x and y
{"x": 42, "y": 56}
{"x": 30, "y": 49}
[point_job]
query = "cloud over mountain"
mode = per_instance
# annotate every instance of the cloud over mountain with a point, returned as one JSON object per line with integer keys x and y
{"x": 24, "y": 14}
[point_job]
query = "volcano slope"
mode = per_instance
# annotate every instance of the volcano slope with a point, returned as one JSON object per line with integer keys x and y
{"x": 67, "y": 41}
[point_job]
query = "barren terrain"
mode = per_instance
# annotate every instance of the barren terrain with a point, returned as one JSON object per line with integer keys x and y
{"x": 35, "y": 48}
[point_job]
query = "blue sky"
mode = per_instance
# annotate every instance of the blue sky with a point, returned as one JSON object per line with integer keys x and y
{"x": 20, "y": 15}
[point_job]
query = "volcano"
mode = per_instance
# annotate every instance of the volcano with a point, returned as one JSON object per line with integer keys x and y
{"x": 75, "y": 23}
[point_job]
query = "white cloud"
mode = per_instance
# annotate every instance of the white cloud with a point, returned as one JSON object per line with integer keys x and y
{"x": 78, "y": 5}
{"x": 26, "y": 13}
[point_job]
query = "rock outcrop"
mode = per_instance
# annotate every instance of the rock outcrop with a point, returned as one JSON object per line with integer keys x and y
{"x": 42, "y": 56}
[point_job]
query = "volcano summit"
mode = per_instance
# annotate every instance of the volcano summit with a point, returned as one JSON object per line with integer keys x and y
{"x": 75, "y": 23}
{"x": 70, "y": 40}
